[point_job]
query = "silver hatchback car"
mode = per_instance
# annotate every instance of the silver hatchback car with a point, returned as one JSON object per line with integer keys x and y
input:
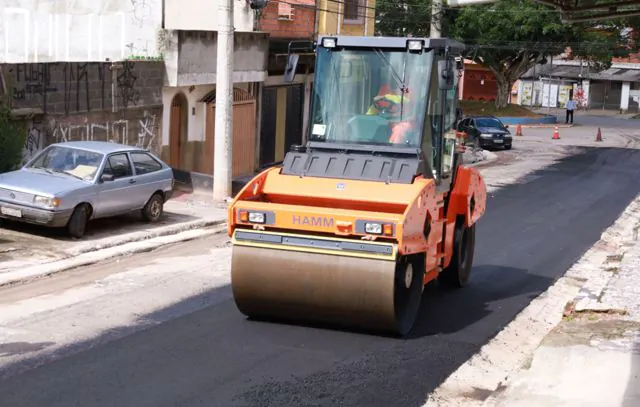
{"x": 68, "y": 184}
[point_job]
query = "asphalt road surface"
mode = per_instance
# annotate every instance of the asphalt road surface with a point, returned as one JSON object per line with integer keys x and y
{"x": 531, "y": 234}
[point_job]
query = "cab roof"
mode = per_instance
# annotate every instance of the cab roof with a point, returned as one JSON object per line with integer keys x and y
{"x": 393, "y": 42}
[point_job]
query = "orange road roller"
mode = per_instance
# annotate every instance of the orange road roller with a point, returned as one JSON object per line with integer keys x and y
{"x": 350, "y": 226}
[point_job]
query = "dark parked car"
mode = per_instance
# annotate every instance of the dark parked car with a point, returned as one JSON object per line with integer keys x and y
{"x": 487, "y": 131}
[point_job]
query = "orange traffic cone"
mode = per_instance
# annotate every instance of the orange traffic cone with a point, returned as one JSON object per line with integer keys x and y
{"x": 556, "y": 134}
{"x": 599, "y": 135}
{"x": 519, "y": 130}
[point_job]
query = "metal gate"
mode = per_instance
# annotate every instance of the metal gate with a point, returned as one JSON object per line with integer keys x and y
{"x": 288, "y": 132}
{"x": 244, "y": 134}
{"x": 176, "y": 126}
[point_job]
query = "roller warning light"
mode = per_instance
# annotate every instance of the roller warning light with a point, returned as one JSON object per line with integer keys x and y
{"x": 376, "y": 204}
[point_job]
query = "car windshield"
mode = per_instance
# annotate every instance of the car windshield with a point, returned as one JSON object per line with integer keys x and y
{"x": 73, "y": 162}
{"x": 370, "y": 97}
{"x": 488, "y": 122}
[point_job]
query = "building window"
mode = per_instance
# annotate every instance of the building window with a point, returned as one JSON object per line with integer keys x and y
{"x": 352, "y": 10}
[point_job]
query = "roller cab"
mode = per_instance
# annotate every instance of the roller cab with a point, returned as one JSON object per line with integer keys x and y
{"x": 352, "y": 225}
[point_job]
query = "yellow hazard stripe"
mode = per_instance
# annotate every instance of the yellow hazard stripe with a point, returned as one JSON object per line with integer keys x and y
{"x": 390, "y": 256}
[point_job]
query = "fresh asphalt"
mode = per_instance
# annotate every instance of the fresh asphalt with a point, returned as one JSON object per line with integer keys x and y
{"x": 531, "y": 234}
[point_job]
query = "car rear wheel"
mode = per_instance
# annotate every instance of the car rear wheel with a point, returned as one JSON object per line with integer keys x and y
{"x": 153, "y": 210}
{"x": 77, "y": 225}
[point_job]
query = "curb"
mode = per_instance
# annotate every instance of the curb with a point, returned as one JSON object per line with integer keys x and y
{"x": 492, "y": 366}
{"x": 546, "y": 126}
{"x": 145, "y": 235}
{"x": 87, "y": 258}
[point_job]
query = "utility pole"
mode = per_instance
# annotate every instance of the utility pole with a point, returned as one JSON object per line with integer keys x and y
{"x": 223, "y": 143}
{"x": 436, "y": 19}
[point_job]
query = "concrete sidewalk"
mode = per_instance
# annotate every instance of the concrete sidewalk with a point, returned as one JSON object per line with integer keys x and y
{"x": 28, "y": 252}
{"x": 592, "y": 357}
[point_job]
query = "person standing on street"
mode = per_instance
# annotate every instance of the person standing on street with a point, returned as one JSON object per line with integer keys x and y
{"x": 571, "y": 106}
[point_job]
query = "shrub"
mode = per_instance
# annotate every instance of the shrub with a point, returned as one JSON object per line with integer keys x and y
{"x": 13, "y": 134}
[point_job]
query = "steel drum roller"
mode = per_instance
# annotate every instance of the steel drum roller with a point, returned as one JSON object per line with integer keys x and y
{"x": 323, "y": 288}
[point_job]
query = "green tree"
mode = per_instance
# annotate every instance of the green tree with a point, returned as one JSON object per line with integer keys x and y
{"x": 509, "y": 36}
{"x": 12, "y": 137}
{"x": 409, "y": 18}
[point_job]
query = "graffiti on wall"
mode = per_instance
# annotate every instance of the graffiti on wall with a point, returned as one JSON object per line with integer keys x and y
{"x": 74, "y": 87}
{"x": 89, "y": 101}
{"x": 142, "y": 131}
{"x": 127, "y": 85}
{"x": 115, "y": 131}
{"x": 148, "y": 130}
{"x": 34, "y": 142}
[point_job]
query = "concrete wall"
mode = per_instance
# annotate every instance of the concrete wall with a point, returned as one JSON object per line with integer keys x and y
{"x": 79, "y": 30}
{"x": 203, "y": 15}
{"x": 332, "y": 22}
{"x": 191, "y": 57}
{"x": 75, "y": 101}
{"x": 65, "y": 88}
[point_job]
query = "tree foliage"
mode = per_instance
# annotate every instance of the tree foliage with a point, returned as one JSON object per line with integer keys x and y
{"x": 409, "y": 18}
{"x": 510, "y": 36}
{"x": 12, "y": 134}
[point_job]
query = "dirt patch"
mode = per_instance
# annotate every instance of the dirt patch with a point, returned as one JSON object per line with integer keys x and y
{"x": 489, "y": 108}
{"x": 478, "y": 394}
{"x": 17, "y": 348}
{"x": 584, "y": 328}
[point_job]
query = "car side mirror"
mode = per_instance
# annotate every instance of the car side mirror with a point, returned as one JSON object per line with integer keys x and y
{"x": 506, "y": 126}
{"x": 107, "y": 177}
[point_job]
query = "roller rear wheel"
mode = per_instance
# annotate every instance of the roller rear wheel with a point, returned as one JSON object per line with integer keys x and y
{"x": 408, "y": 289}
{"x": 458, "y": 272}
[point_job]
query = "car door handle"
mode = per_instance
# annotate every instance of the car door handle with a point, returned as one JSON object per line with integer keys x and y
{"x": 132, "y": 181}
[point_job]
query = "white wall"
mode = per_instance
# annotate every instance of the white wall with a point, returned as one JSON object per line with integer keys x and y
{"x": 203, "y": 15}
{"x": 197, "y": 121}
{"x": 78, "y": 30}
{"x": 624, "y": 96}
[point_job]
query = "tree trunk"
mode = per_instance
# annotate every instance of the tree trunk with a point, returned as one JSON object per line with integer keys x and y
{"x": 504, "y": 92}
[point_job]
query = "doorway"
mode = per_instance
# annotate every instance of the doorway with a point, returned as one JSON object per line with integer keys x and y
{"x": 178, "y": 130}
{"x": 244, "y": 133}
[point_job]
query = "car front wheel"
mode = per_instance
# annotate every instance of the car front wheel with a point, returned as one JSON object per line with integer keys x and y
{"x": 153, "y": 210}
{"x": 77, "y": 225}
